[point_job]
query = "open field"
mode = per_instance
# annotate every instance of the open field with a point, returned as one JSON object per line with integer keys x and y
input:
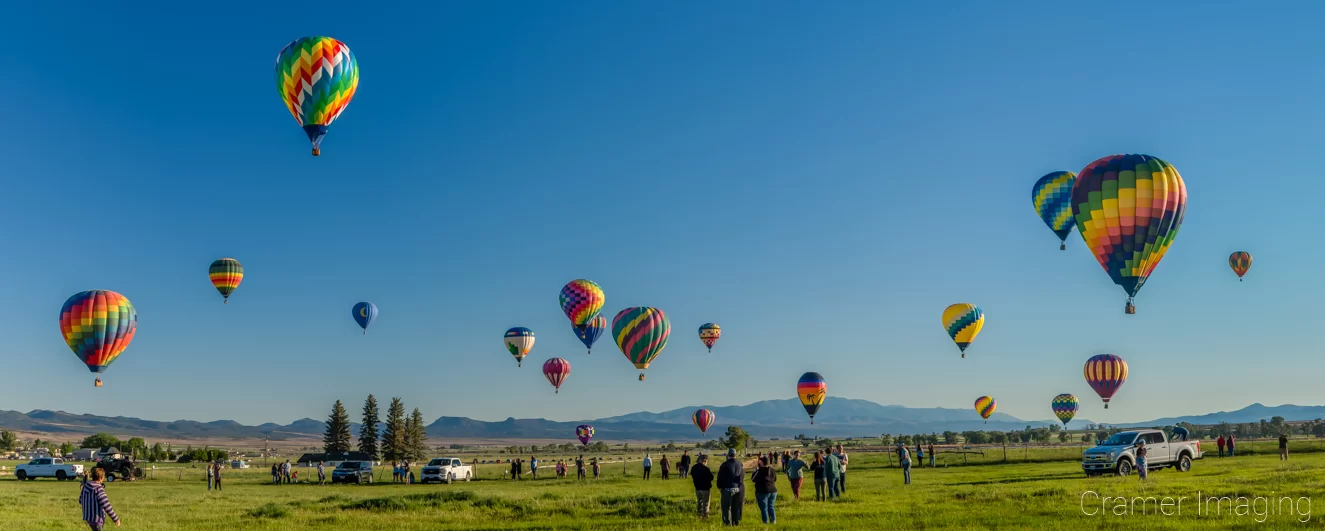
{"x": 1041, "y": 494}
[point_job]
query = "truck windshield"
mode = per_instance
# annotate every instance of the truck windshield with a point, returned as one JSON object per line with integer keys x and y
{"x": 1120, "y": 439}
{"x": 439, "y": 462}
{"x": 353, "y": 465}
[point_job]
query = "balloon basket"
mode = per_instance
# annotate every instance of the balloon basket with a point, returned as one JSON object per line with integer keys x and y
{"x": 317, "y": 152}
{"x": 1130, "y": 309}
{"x": 1062, "y": 247}
{"x": 225, "y": 301}
{"x": 641, "y": 377}
{"x": 1106, "y": 405}
{"x": 97, "y": 383}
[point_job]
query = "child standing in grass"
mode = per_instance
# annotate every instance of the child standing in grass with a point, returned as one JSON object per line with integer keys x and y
{"x": 597, "y": 471}
{"x": 1141, "y": 467}
{"x": 96, "y": 505}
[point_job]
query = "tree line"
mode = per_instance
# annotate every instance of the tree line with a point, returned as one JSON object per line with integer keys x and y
{"x": 400, "y": 439}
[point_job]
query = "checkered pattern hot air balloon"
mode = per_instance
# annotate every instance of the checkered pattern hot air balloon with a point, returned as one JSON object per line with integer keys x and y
{"x": 985, "y": 406}
{"x": 316, "y": 78}
{"x": 812, "y": 390}
{"x": 963, "y": 322}
{"x": 1128, "y": 209}
{"x": 703, "y": 418}
{"x": 584, "y": 433}
{"x": 709, "y": 334}
{"x": 1065, "y": 407}
{"x": 1240, "y": 262}
{"x": 98, "y": 325}
{"x": 519, "y": 341}
{"x": 581, "y": 300}
{"x": 226, "y": 274}
{"x": 1052, "y": 198}
{"x": 556, "y": 370}
{"x": 1106, "y": 373}
{"x": 641, "y": 333}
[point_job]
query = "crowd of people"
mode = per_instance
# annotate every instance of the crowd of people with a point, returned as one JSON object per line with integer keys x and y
{"x": 282, "y": 473}
{"x": 828, "y": 467}
{"x": 561, "y": 469}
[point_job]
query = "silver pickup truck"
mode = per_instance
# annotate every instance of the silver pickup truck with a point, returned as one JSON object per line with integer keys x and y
{"x": 1117, "y": 455}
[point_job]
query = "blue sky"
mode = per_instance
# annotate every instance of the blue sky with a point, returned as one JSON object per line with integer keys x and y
{"x": 820, "y": 180}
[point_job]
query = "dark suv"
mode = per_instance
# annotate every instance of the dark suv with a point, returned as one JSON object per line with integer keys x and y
{"x": 353, "y": 472}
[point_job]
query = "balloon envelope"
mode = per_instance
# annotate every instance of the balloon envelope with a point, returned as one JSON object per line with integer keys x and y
{"x": 963, "y": 322}
{"x": 1240, "y": 262}
{"x": 581, "y": 300}
{"x": 519, "y": 341}
{"x": 985, "y": 406}
{"x": 1106, "y": 373}
{"x": 709, "y": 334}
{"x": 1052, "y": 198}
{"x": 1065, "y": 407}
{"x": 556, "y": 370}
{"x": 812, "y": 390}
{"x": 1128, "y": 209}
{"x": 641, "y": 333}
{"x": 584, "y": 433}
{"x": 226, "y": 274}
{"x": 590, "y": 332}
{"x": 98, "y": 325}
{"x": 316, "y": 78}
{"x": 703, "y": 418}
{"x": 364, "y": 313}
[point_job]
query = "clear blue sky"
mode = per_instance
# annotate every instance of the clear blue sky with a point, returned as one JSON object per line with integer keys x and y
{"x": 821, "y": 180}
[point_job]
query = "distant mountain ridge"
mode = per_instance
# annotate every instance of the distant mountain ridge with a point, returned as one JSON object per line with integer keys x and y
{"x": 839, "y": 417}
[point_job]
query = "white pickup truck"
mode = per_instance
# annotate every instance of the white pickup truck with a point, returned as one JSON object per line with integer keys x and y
{"x": 446, "y": 470}
{"x": 1117, "y": 455}
{"x": 47, "y": 467}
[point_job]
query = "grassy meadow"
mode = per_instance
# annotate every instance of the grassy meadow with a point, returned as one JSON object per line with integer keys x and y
{"x": 1043, "y": 492}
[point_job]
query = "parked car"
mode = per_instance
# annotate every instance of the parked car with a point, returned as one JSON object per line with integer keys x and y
{"x": 446, "y": 470}
{"x": 1117, "y": 455}
{"x": 353, "y": 472}
{"x": 238, "y": 464}
{"x": 47, "y": 467}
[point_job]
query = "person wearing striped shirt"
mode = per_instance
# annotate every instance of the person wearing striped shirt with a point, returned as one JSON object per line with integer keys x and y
{"x": 96, "y": 506}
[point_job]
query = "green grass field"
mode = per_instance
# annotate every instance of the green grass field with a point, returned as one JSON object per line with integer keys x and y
{"x": 1039, "y": 494}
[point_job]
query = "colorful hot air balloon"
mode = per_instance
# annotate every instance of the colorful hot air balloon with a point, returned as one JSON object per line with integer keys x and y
{"x": 963, "y": 322}
{"x": 709, "y": 334}
{"x": 581, "y": 300}
{"x": 1128, "y": 209}
{"x": 584, "y": 433}
{"x": 519, "y": 341}
{"x": 812, "y": 390}
{"x": 641, "y": 333}
{"x": 703, "y": 418}
{"x": 589, "y": 333}
{"x": 226, "y": 274}
{"x": 1240, "y": 262}
{"x": 1106, "y": 373}
{"x": 556, "y": 370}
{"x": 1065, "y": 407}
{"x": 98, "y": 325}
{"x": 985, "y": 406}
{"x": 1052, "y": 198}
{"x": 364, "y": 313}
{"x": 316, "y": 78}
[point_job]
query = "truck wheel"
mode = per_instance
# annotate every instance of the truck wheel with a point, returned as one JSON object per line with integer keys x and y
{"x": 138, "y": 473}
{"x": 1184, "y": 463}
{"x": 60, "y": 475}
{"x": 21, "y": 475}
{"x": 449, "y": 478}
{"x": 1124, "y": 468}
{"x": 358, "y": 480}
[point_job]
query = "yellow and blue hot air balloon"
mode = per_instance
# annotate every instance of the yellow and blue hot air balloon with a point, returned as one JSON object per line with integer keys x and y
{"x": 364, "y": 313}
{"x": 1052, "y": 198}
{"x": 963, "y": 322}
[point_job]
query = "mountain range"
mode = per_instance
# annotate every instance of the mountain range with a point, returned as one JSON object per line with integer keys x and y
{"x": 839, "y": 417}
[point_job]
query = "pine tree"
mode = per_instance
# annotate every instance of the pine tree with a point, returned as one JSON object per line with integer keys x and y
{"x": 409, "y": 440}
{"x": 417, "y": 439}
{"x": 393, "y": 438}
{"x": 337, "y": 437}
{"x": 368, "y": 432}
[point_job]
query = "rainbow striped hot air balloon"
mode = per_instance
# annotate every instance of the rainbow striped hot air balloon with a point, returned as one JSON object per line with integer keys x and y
{"x": 709, "y": 334}
{"x": 985, "y": 406}
{"x": 226, "y": 274}
{"x": 519, "y": 341}
{"x": 581, "y": 300}
{"x": 1106, "y": 373}
{"x": 812, "y": 391}
{"x": 556, "y": 370}
{"x": 1128, "y": 209}
{"x": 963, "y": 322}
{"x": 1240, "y": 262}
{"x": 584, "y": 433}
{"x": 641, "y": 333}
{"x": 98, "y": 325}
{"x": 1065, "y": 407}
{"x": 316, "y": 78}
{"x": 1052, "y": 198}
{"x": 703, "y": 418}
{"x": 591, "y": 332}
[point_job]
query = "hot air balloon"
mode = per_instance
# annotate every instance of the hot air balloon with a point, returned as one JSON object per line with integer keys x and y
{"x": 985, "y": 406}
{"x": 556, "y": 370}
{"x": 812, "y": 390}
{"x": 1240, "y": 262}
{"x": 519, "y": 341}
{"x": 581, "y": 300}
{"x": 641, "y": 333}
{"x": 1065, "y": 407}
{"x": 364, "y": 313}
{"x": 226, "y": 274}
{"x": 1128, "y": 209}
{"x": 584, "y": 433}
{"x": 963, "y": 322}
{"x": 316, "y": 78}
{"x": 1106, "y": 373}
{"x": 590, "y": 332}
{"x": 703, "y": 418}
{"x": 98, "y": 325}
{"x": 709, "y": 334}
{"x": 1052, "y": 198}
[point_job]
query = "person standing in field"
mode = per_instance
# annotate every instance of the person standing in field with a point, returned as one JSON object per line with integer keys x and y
{"x": 833, "y": 471}
{"x": 702, "y": 477}
{"x": 731, "y": 482}
{"x": 766, "y": 490}
{"x": 597, "y": 470}
{"x": 1229, "y": 442}
{"x": 1141, "y": 468}
{"x": 275, "y": 476}
{"x": 786, "y": 459}
{"x": 515, "y": 467}
{"x": 1220, "y": 443}
{"x": 666, "y": 466}
{"x": 817, "y": 466}
{"x": 287, "y": 471}
{"x": 96, "y": 505}
{"x": 579, "y": 467}
{"x": 210, "y": 468}
{"x": 842, "y": 470}
{"x": 795, "y": 474}
{"x": 1283, "y": 447}
{"x": 905, "y": 457}
{"x": 931, "y": 455}
{"x": 648, "y": 465}
{"x": 533, "y": 466}
{"x": 321, "y": 473}
{"x": 218, "y": 476}
{"x": 683, "y": 465}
